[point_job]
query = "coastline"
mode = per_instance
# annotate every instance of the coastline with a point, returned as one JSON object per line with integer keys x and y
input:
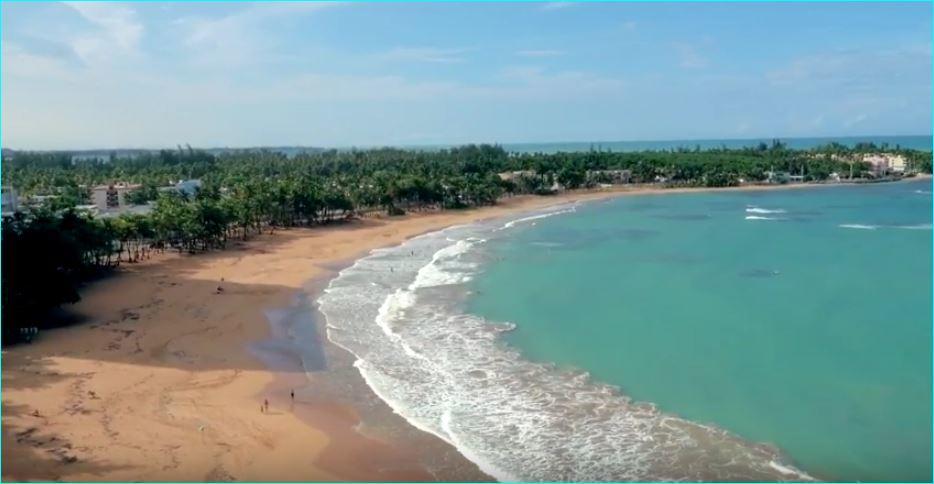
{"x": 163, "y": 380}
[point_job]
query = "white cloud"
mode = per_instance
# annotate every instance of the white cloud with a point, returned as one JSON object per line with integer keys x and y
{"x": 540, "y": 53}
{"x": 691, "y": 57}
{"x": 17, "y": 61}
{"x": 854, "y": 69}
{"x": 240, "y": 36}
{"x": 118, "y": 30}
{"x": 853, "y": 121}
{"x": 532, "y": 81}
{"x": 556, "y": 5}
{"x": 424, "y": 54}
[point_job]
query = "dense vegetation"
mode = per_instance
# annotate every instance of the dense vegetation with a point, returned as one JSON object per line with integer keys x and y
{"x": 49, "y": 251}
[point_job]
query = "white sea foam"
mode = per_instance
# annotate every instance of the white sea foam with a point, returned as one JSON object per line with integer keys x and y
{"x": 914, "y": 227}
{"x": 512, "y": 223}
{"x": 788, "y": 471}
{"x": 923, "y": 192}
{"x": 447, "y": 373}
{"x": 754, "y": 209}
{"x": 759, "y": 217}
{"x": 547, "y": 244}
{"x": 858, "y": 226}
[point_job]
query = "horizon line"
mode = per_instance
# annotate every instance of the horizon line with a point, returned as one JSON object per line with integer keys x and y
{"x": 456, "y": 144}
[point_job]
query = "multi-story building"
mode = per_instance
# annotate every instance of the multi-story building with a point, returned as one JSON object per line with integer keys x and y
{"x": 112, "y": 196}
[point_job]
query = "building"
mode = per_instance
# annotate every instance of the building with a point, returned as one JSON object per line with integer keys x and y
{"x": 189, "y": 188}
{"x": 513, "y": 175}
{"x": 128, "y": 210}
{"x": 777, "y": 177}
{"x": 885, "y": 163}
{"x": 10, "y": 200}
{"x": 111, "y": 197}
{"x": 615, "y": 177}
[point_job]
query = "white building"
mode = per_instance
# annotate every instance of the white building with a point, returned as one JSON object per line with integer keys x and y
{"x": 111, "y": 197}
{"x": 10, "y": 200}
{"x": 883, "y": 163}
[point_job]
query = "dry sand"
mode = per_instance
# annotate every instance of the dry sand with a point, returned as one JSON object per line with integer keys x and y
{"x": 159, "y": 383}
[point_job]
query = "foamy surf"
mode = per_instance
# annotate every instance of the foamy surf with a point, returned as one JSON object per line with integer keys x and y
{"x": 914, "y": 227}
{"x": 877, "y": 227}
{"x": 448, "y": 373}
{"x": 759, "y": 217}
{"x": 754, "y": 209}
{"x": 512, "y": 223}
{"x": 858, "y": 226}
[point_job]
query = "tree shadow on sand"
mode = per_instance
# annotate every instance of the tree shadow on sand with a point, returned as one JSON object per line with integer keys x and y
{"x": 47, "y": 454}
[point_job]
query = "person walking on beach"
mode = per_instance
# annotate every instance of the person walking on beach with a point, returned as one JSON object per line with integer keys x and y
{"x": 266, "y": 405}
{"x": 292, "y": 394}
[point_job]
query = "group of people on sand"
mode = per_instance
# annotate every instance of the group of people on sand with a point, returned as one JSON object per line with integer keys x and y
{"x": 264, "y": 408}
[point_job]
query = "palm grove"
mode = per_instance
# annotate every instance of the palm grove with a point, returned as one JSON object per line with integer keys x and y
{"x": 49, "y": 250}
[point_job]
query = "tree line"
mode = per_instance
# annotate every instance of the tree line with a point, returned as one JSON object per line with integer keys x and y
{"x": 50, "y": 250}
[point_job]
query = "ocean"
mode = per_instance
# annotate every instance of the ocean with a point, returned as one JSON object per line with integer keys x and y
{"x": 915, "y": 142}
{"x": 741, "y": 335}
{"x": 921, "y": 143}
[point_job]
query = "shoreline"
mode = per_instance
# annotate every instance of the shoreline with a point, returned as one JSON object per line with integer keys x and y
{"x": 190, "y": 411}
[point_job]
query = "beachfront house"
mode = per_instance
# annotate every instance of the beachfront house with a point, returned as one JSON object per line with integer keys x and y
{"x": 777, "y": 177}
{"x": 885, "y": 163}
{"x": 613, "y": 177}
{"x": 515, "y": 175}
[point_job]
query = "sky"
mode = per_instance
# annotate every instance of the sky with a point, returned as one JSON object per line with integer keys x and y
{"x": 150, "y": 75}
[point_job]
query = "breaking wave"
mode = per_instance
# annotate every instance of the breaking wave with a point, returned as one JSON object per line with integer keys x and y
{"x": 754, "y": 209}
{"x": 400, "y": 312}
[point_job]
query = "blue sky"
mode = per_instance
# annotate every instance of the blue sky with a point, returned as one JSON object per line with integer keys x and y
{"x": 91, "y": 75}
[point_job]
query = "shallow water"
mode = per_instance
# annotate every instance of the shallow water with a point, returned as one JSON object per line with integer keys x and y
{"x": 799, "y": 318}
{"x": 670, "y": 299}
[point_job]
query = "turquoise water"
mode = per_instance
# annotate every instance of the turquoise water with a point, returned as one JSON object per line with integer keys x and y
{"x": 809, "y": 329}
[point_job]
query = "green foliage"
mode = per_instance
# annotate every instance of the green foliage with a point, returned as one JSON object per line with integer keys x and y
{"x": 142, "y": 195}
{"x": 45, "y": 257}
{"x": 47, "y": 253}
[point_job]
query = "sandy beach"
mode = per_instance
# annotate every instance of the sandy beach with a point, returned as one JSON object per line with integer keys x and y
{"x": 163, "y": 379}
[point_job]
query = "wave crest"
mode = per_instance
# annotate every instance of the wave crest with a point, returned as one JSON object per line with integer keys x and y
{"x": 448, "y": 373}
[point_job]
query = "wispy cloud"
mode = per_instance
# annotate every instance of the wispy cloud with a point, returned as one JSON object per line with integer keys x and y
{"x": 118, "y": 30}
{"x": 242, "y": 35}
{"x": 690, "y": 56}
{"x": 424, "y": 54}
{"x": 853, "y": 121}
{"x": 540, "y": 53}
{"x": 531, "y": 81}
{"x": 853, "y": 68}
{"x": 557, "y": 5}
{"x": 20, "y": 62}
